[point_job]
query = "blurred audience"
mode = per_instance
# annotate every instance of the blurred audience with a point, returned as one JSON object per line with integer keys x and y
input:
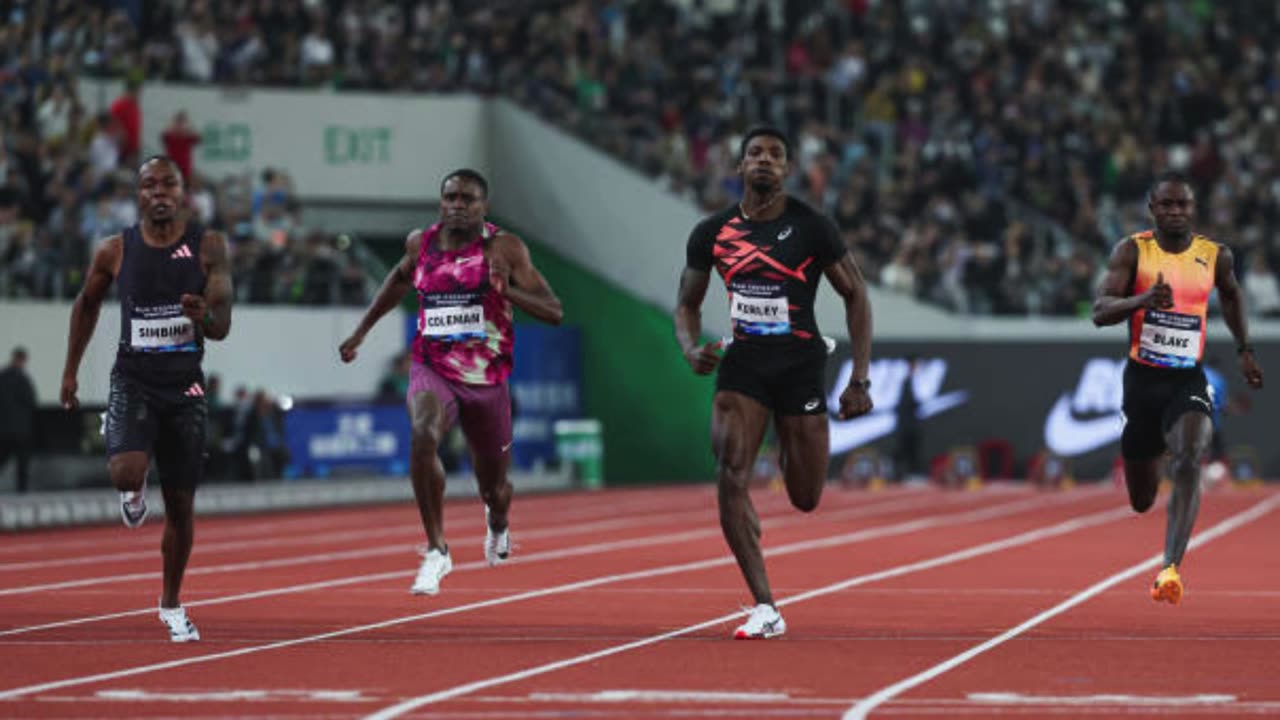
{"x": 982, "y": 155}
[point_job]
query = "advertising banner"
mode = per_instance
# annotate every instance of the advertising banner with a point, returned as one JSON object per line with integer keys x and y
{"x": 347, "y": 438}
{"x": 1036, "y": 396}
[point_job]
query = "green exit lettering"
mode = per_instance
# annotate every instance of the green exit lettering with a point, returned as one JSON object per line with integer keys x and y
{"x": 357, "y": 146}
{"x": 226, "y": 142}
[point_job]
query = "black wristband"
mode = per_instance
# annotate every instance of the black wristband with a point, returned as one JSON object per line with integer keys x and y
{"x": 861, "y": 384}
{"x": 1242, "y": 349}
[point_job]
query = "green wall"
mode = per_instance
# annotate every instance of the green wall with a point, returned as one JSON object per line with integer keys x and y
{"x": 656, "y": 412}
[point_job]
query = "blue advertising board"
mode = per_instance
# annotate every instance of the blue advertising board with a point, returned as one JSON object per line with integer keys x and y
{"x": 347, "y": 438}
{"x": 546, "y": 386}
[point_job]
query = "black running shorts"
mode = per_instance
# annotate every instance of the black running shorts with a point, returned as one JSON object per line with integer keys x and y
{"x": 165, "y": 421}
{"x": 1154, "y": 399}
{"x": 787, "y": 381}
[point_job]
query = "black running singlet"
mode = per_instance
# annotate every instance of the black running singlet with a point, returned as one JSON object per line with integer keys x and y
{"x": 157, "y": 342}
{"x": 771, "y": 269}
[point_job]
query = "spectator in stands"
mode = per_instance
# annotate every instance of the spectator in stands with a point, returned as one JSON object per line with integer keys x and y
{"x": 17, "y": 416}
{"x": 394, "y": 386}
{"x": 179, "y": 140}
{"x": 126, "y": 110}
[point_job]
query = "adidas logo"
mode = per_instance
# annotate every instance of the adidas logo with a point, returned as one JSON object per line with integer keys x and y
{"x": 194, "y": 391}
{"x": 182, "y": 251}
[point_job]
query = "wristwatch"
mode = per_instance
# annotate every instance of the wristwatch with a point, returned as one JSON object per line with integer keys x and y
{"x": 864, "y": 384}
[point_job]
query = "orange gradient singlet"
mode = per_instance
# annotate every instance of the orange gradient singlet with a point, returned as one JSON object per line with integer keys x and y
{"x": 1172, "y": 338}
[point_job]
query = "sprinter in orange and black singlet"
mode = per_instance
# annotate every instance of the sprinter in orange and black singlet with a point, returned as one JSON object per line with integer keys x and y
{"x": 771, "y": 250}
{"x": 1159, "y": 281}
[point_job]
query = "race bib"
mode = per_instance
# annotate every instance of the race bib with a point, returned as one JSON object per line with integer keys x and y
{"x": 1170, "y": 339}
{"x": 454, "y": 323}
{"x": 759, "y": 314}
{"x": 172, "y": 334}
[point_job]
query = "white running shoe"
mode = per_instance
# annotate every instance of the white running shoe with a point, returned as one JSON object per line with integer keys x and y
{"x": 435, "y": 565}
{"x": 763, "y": 621}
{"x": 497, "y": 545}
{"x": 133, "y": 506}
{"x": 181, "y": 629}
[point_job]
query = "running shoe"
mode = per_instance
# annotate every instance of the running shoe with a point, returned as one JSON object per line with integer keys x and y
{"x": 435, "y": 565}
{"x": 181, "y": 629}
{"x": 763, "y": 621}
{"x": 1168, "y": 586}
{"x": 497, "y": 543}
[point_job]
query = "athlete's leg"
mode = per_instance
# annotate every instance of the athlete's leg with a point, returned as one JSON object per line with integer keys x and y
{"x": 128, "y": 469}
{"x": 805, "y": 450}
{"x": 1188, "y": 440}
{"x": 1142, "y": 478}
{"x": 485, "y": 415}
{"x": 430, "y": 421}
{"x": 738, "y": 424}
{"x": 180, "y": 464}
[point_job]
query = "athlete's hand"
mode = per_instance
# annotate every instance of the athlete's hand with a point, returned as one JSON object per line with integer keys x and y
{"x": 1251, "y": 370}
{"x": 854, "y": 401}
{"x": 1158, "y": 296}
{"x": 704, "y": 358}
{"x": 347, "y": 350}
{"x": 69, "y": 388}
{"x": 194, "y": 307}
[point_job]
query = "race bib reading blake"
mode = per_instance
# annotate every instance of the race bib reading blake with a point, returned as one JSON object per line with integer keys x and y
{"x": 1170, "y": 339}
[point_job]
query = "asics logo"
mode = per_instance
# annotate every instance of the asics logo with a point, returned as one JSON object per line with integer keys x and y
{"x": 1090, "y": 417}
{"x": 786, "y": 233}
{"x": 811, "y": 405}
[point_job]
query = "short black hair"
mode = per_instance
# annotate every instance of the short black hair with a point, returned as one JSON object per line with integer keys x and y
{"x": 1170, "y": 176}
{"x": 468, "y": 174}
{"x": 164, "y": 159}
{"x": 766, "y": 130}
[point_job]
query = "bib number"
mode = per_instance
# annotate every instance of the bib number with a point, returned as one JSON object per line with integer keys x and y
{"x": 1170, "y": 339}
{"x": 174, "y": 334}
{"x": 454, "y": 323}
{"x": 759, "y": 315}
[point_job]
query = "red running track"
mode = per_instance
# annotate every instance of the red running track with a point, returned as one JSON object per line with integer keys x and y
{"x": 619, "y": 604}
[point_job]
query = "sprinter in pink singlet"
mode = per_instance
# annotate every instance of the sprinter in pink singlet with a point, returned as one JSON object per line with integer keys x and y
{"x": 468, "y": 274}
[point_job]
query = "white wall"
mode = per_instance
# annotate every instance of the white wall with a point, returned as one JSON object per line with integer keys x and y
{"x": 283, "y": 350}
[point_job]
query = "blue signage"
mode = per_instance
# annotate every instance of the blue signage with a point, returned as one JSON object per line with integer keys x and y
{"x": 347, "y": 438}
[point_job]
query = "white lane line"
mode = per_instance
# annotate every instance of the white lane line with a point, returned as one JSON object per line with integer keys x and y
{"x": 567, "y": 523}
{"x": 559, "y": 554}
{"x": 719, "y": 561}
{"x": 871, "y": 702}
{"x": 660, "y": 696}
{"x": 947, "y": 559}
{"x": 1013, "y": 698}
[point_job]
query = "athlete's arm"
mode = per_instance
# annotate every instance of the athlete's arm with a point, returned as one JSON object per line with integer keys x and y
{"x": 1114, "y": 304}
{"x": 703, "y": 358}
{"x": 394, "y": 287}
{"x": 84, "y": 313}
{"x": 511, "y": 272}
{"x": 1233, "y": 312}
{"x": 848, "y": 282}
{"x": 212, "y": 309}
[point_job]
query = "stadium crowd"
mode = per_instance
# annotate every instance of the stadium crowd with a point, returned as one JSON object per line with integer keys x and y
{"x": 978, "y": 154}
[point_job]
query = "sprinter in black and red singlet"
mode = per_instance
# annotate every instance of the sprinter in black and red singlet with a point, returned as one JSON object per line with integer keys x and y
{"x": 1160, "y": 281}
{"x": 174, "y": 282}
{"x": 771, "y": 250}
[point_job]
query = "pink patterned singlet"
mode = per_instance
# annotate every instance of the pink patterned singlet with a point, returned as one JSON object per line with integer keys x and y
{"x": 464, "y": 325}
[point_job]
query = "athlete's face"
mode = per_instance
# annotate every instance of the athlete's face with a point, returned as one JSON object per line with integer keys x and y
{"x": 160, "y": 191}
{"x": 764, "y": 163}
{"x": 462, "y": 204}
{"x": 1173, "y": 206}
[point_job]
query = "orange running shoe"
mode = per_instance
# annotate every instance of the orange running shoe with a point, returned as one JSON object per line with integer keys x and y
{"x": 1168, "y": 586}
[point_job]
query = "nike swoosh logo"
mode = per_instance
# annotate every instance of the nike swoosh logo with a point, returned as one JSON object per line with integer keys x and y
{"x": 1067, "y": 435}
{"x": 849, "y": 434}
{"x": 508, "y": 446}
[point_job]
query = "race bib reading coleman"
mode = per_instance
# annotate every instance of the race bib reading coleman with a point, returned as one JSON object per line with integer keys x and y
{"x": 452, "y": 317}
{"x": 161, "y": 329}
{"x": 1170, "y": 339}
{"x": 759, "y": 309}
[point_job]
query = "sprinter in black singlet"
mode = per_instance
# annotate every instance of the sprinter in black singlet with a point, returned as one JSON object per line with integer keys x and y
{"x": 770, "y": 250}
{"x": 174, "y": 282}
{"x": 1160, "y": 281}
